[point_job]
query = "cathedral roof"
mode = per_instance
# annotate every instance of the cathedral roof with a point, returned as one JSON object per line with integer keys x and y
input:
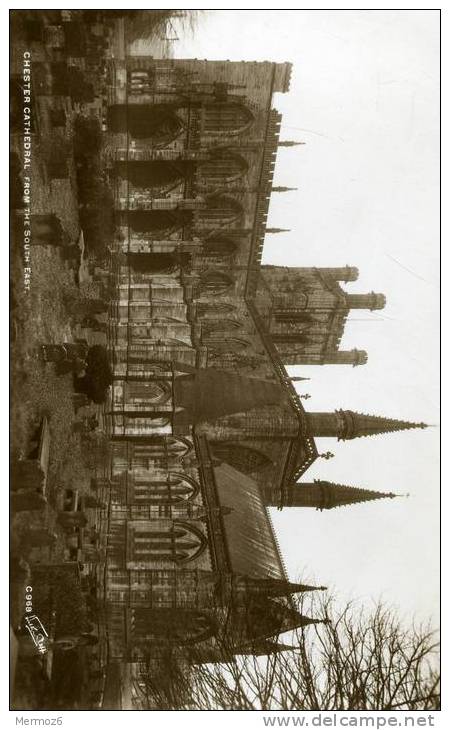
{"x": 251, "y": 541}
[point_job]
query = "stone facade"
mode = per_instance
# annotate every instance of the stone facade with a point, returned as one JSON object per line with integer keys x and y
{"x": 207, "y": 428}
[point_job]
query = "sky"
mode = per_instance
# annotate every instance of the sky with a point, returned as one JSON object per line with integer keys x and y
{"x": 364, "y": 97}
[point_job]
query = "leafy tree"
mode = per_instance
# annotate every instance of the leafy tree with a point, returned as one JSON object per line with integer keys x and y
{"x": 148, "y": 24}
{"x": 60, "y": 591}
{"x": 55, "y": 150}
{"x": 88, "y": 138}
{"x": 98, "y": 377}
{"x": 96, "y": 450}
{"x": 95, "y": 197}
{"x": 80, "y": 89}
{"x": 97, "y": 217}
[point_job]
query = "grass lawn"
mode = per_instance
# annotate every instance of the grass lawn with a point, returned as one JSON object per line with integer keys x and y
{"x": 43, "y": 314}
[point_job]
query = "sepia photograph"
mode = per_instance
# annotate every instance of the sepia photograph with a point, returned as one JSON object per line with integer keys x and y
{"x": 224, "y": 353}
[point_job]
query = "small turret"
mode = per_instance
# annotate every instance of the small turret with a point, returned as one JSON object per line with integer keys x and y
{"x": 289, "y": 143}
{"x": 340, "y": 273}
{"x": 282, "y": 189}
{"x": 365, "y": 301}
{"x": 346, "y": 357}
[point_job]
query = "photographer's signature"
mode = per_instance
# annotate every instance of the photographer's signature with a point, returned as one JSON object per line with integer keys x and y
{"x": 39, "y": 636}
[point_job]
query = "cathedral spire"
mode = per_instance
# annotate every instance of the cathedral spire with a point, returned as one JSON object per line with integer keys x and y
{"x": 327, "y": 495}
{"x": 346, "y": 425}
{"x": 265, "y": 648}
{"x": 278, "y": 230}
{"x": 289, "y": 143}
{"x": 295, "y": 620}
{"x": 277, "y": 587}
{"x": 282, "y": 189}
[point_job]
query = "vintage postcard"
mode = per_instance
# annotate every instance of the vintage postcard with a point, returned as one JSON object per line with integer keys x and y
{"x": 224, "y": 342}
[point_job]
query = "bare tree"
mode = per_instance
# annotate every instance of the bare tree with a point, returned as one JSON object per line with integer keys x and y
{"x": 145, "y": 24}
{"x": 354, "y": 660}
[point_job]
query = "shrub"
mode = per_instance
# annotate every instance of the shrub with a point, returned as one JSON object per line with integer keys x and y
{"x": 87, "y": 138}
{"x": 98, "y": 376}
{"x": 95, "y": 197}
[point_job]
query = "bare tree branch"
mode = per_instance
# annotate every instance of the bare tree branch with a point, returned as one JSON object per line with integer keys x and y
{"x": 355, "y": 660}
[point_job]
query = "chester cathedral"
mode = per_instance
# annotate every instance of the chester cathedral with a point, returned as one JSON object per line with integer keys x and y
{"x": 207, "y": 428}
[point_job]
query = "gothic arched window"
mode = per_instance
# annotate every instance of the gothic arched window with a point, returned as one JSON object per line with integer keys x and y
{"x": 215, "y": 283}
{"x": 143, "y": 222}
{"x": 159, "y": 450}
{"x": 242, "y": 458}
{"x": 153, "y": 263}
{"x": 175, "y": 341}
{"x": 142, "y": 425}
{"x": 156, "y": 122}
{"x": 227, "y": 117}
{"x": 163, "y": 541}
{"x": 236, "y": 359}
{"x": 223, "y": 167}
{"x": 220, "y": 343}
{"x": 171, "y": 489}
{"x": 143, "y": 369}
{"x": 173, "y": 625}
{"x": 177, "y": 446}
{"x": 211, "y": 310}
{"x": 293, "y": 315}
{"x": 219, "y": 247}
{"x": 220, "y": 211}
{"x": 162, "y": 175}
{"x": 219, "y": 325}
{"x": 151, "y": 391}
